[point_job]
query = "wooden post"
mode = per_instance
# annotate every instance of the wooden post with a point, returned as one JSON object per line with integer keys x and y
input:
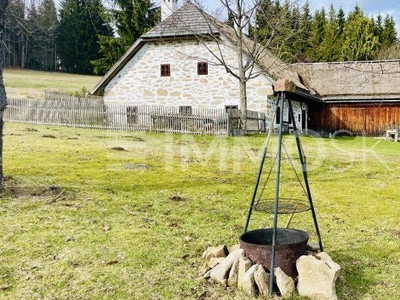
{"x": 284, "y": 85}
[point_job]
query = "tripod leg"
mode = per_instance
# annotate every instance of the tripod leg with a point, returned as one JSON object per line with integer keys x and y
{"x": 305, "y": 175}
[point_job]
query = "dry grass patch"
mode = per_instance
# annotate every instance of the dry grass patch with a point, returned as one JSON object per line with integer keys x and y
{"x": 22, "y": 83}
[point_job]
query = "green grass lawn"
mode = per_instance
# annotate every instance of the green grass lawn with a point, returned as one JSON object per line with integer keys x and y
{"x": 92, "y": 214}
{"x": 23, "y": 83}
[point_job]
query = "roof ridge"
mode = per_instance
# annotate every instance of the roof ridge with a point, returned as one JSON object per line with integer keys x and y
{"x": 189, "y": 19}
{"x": 393, "y": 60}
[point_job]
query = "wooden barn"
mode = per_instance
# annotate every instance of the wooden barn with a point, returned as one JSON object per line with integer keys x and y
{"x": 361, "y": 97}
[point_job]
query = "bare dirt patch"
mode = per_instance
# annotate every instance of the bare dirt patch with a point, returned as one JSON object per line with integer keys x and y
{"x": 30, "y": 129}
{"x": 52, "y": 193}
{"x": 118, "y": 149}
{"x": 48, "y": 136}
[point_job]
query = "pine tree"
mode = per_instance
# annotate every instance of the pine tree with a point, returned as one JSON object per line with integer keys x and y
{"x": 110, "y": 51}
{"x": 321, "y": 37}
{"x": 47, "y": 34}
{"x": 341, "y": 20}
{"x": 81, "y": 23}
{"x": 329, "y": 49}
{"x": 390, "y": 45}
{"x": 33, "y": 47}
{"x": 379, "y": 28}
{"x": 316, "y": 36}
{"x": 132, "y": 18}
{"x": 388, "y": 34}
{"x": 30, "y": 35}
{"x": 264, "y": 20}
{"x": 280, "y": 28}
{"x": 14, "y": 36}
{"x": 303, "y": 34}
{"x": 359, "y": 39}
{"x": 284, "y": 38}
{"x": 294, "y": 45}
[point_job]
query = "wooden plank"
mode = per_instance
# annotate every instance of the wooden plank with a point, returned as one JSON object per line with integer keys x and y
{"x": 373, "y": 119}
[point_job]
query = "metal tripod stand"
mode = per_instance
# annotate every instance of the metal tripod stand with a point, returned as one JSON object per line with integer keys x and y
{"x": 282, "y": 95}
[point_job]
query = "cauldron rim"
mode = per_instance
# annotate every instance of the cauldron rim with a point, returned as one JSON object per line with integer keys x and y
{"x": 300, "y": 235}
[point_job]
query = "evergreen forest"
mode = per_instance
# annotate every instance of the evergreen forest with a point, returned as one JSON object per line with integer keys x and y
{"x": 86, "y": 37}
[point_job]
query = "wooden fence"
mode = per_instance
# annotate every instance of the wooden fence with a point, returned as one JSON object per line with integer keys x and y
{"x": 256, "y": 121}
{"x": 93, "y": 113}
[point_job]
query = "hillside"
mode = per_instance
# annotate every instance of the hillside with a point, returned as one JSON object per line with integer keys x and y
{"x": 22, "y": 83}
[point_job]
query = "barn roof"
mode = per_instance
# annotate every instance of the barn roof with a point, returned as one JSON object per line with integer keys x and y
{"x": 189, "y": 21}
{"x": 356, "y": 81}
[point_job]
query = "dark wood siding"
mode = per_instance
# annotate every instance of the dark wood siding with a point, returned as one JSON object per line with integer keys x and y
{"x": 373, "y": 119}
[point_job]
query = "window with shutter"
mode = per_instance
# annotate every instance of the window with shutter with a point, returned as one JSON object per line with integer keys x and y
{"x": 202, "y": 68}
{"x": 165, "y": 70}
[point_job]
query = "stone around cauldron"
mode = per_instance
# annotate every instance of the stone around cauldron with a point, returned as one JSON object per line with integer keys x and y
{"x": 317, "y": 277}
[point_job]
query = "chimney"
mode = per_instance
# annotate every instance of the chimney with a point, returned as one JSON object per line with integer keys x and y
{"x": 168, "y": 7}
{"x": 245, "y": 25}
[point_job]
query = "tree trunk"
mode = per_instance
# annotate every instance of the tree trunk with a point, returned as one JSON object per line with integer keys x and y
{"x": 243, "y": 106}
{"x": 3, "y": 96}
{"x": 242, "y": 72}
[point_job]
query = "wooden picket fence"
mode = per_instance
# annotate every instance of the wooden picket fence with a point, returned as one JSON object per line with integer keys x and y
{"x": 93, "y": 113}
{"x": 256, "y": 121}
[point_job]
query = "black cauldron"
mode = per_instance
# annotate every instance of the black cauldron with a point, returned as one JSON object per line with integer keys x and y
{"x": 290, "y": 245}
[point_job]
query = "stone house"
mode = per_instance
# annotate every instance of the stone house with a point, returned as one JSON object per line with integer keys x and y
{"x": 174, "y": 64}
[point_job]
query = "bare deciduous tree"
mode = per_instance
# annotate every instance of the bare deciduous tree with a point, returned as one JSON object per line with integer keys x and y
{"x": 251, "y": 48}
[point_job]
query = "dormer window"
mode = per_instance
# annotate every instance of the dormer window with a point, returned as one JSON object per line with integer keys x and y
{"x": 165, "y": 70}
{"x": 202, "y": 68}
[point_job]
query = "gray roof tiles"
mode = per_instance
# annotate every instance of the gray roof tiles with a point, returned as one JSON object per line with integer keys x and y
{"x": 186, "y": 21}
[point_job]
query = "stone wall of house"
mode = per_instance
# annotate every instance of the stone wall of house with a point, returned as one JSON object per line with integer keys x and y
{"x": 298, "y": 108}
{"x": 140, "y": 81}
